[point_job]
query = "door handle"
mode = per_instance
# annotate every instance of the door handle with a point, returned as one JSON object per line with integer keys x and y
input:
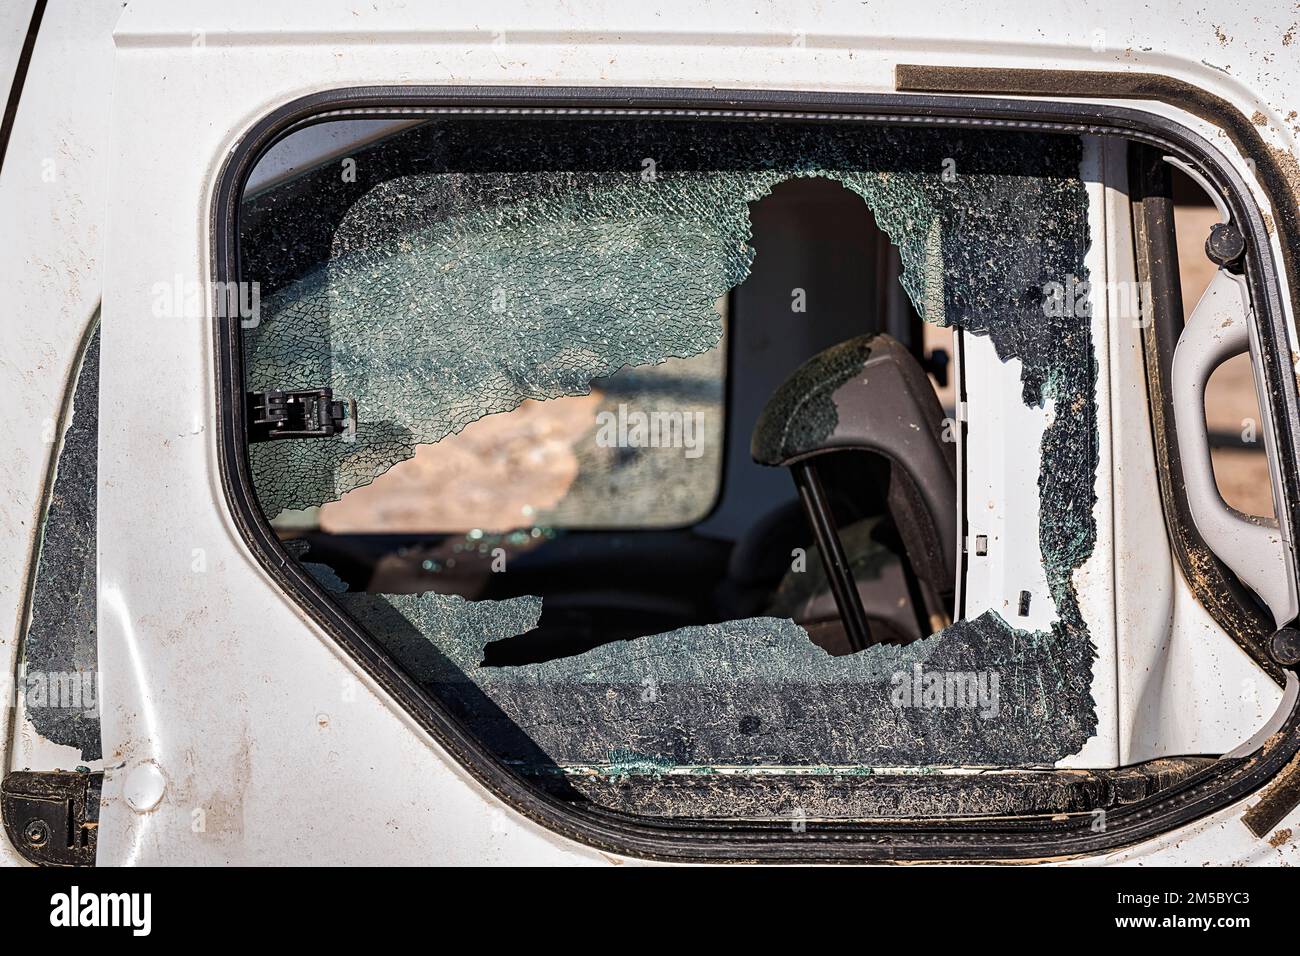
{"x": 1253, "y": 547}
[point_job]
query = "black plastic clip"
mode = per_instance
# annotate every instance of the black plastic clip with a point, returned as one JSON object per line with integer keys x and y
{"x": 1226, "y": 246}
{"x": 302, "y": 413}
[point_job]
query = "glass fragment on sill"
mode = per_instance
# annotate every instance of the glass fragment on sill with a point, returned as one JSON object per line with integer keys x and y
{"x": 749, "y": 693}
{"x": 745, "y": 693}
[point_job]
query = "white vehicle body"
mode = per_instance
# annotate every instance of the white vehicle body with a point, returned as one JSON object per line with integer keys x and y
{"x": 222, "y": 700}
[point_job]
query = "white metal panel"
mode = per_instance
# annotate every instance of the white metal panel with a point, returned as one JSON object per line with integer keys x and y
{"x": 1001, "y": 458}
{"x": 52, "y": 207}
{"x": 206, "y": 690}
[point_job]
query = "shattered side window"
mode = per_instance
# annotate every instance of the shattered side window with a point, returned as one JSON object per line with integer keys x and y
{"x": 448, "y": 297}
{"x": 576, "y": 378}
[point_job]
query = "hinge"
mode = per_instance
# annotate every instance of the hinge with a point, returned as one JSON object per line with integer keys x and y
{"x": 301, "y": 413}
{"x": 52, "y": 817}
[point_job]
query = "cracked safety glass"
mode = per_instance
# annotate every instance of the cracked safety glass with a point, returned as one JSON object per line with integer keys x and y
{"x": 647, "y": 461}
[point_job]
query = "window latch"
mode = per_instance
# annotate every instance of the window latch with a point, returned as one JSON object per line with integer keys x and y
{"x": 300, "y": 413}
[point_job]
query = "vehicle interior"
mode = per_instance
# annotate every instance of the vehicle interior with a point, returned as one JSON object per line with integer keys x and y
{"x": 733, "y": 560}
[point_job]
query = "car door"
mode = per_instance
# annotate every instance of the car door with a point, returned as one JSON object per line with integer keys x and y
{"x": 261, "y": 702}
